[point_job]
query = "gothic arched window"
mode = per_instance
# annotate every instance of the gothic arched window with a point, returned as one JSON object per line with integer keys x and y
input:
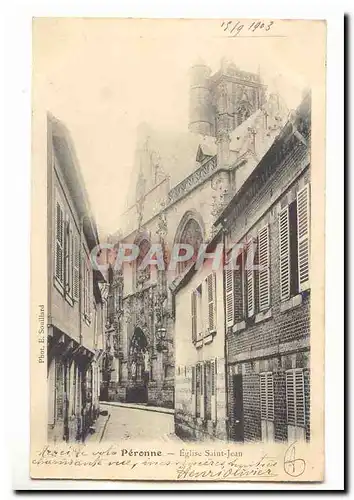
{"x": 243, "y": 112}
{"x": 192, "y": 234}
{"x": 143, "y": 275}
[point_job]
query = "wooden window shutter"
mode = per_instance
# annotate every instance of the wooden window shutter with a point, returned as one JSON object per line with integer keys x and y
{"x": 290, "y": 398}
{"x": 76, "y": 272}
{"x": 68, "y": 252}
{"x": 250, "y": 279}
{"x": 85, "y": 285}
{"x": 229, "y": 296}
{"x": 267, "y": 396}
{"x": 264, "y": 272}
{"x": 284, "y": 253}
{"x": 303, "y": 241}
{"x": 202, "y": 390}
{"x": 194, "y": 389}
{"x": 194, "y": 315}
{"x": 71, "y": 259}
{"x": 66, "y": 255}
{"x": 295, "y": 397}
{"x": 211, "y": 290}
{"x": 270, "y": 397}
{"x": 90, "y": 289}
{"x": 212, "y": 378}
{"x": 300, "y": 397}
{"x": 263, "y": 390}
{"x": 59, "y": 242}
{"x": 239, "y": 289}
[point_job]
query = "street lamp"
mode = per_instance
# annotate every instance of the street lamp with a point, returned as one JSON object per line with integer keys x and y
{"x": 161, "y": 333}
{"x": 162, "y": 341}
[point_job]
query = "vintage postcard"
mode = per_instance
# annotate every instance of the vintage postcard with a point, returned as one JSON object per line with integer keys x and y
{"x": 177, "y": 281}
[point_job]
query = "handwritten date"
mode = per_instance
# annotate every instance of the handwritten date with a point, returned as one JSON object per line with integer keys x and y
{"x": 234, "y": 28}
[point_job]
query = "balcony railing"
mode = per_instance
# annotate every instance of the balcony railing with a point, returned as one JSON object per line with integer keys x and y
{"x": 193, "y": 180}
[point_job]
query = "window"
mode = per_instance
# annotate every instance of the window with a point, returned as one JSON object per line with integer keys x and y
{"x": 264, "y": 271}
{"x": 247, "y": 282}
{"x": 192, "y": 234}
{"x": 198, "y": 391}
{"x": 142, "y": 275}
{"x": 87, "y": 288}
{"x": 250, "y": 278}
{"x": 204, "y": 389}
{"x": 67, "y": 253}
{"x": 229, "y": 296}
{"x": 59, "y": 242}
{"x": 199, "y": 303}
{"x": 194, "y": 390}
{"x": 239, "y": 290}
{"x": 267, "y": 406}
{"x": 210, "y": 285}
{"x": 295, "y": 404}
{"x": 207, "y": 389}
{"x": 69, "y": 258}
{"x": 210, "y": 390}
{"x": 234, "y": 290}
{"x": 76, "y": 265}
{"x": 294, "y": 245}
{"x": 303, "y": 230}
{"x": 284, "y": 249}
{"x": 203, "y": 308}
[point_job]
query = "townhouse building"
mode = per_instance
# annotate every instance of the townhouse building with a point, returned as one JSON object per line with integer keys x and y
{"x": 267, "y": 305}
{"x": 200, "y": 395}
{"x": 76, "y": 314}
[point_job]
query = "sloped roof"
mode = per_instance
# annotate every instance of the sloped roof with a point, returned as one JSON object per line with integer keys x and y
{"x": 69, "y": 164}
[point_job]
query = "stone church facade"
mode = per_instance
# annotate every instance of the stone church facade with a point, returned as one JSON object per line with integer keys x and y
{"x": 180, "y": 183}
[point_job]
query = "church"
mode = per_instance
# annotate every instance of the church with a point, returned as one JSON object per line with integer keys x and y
{"x": 180, "y": 184}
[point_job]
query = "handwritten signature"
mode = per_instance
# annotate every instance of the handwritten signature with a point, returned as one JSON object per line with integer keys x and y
{"x": 293, "y": 466}
{"x": 234, "y": 28}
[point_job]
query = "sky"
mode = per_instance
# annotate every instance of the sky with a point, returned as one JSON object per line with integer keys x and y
{"x": 102, "y": 77}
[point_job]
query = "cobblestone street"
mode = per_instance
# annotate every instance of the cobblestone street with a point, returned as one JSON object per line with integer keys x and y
{"x": 127, "y": 423}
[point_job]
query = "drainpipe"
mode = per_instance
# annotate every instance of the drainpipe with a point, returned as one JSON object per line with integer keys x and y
{"x": 225, "y": 335}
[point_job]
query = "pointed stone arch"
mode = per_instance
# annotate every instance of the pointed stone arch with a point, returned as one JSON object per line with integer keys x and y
{"x": 138, "y": 342}
{"x": 190, "y": 230}
{"x": 143, "y": 241}
{"x": 244, "y": 110}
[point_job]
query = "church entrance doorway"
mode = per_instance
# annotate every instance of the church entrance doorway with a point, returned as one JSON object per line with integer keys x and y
{"x": 139, "y": 368}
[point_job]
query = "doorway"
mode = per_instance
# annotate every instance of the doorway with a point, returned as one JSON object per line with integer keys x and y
{"x": 139, "y": 361}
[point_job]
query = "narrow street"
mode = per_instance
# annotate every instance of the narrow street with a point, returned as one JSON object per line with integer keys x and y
{"x": 137, "y": 424}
